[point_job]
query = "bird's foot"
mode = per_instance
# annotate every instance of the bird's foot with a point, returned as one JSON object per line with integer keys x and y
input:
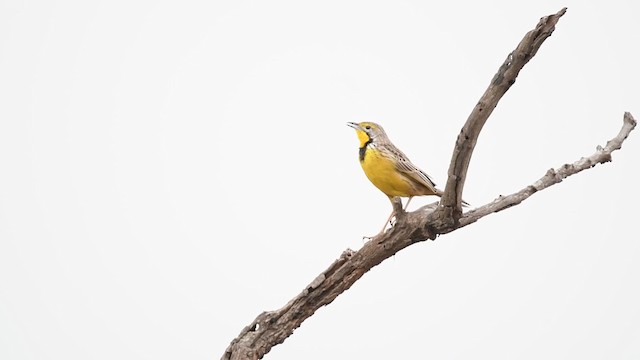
{"x": 390, "y": 222}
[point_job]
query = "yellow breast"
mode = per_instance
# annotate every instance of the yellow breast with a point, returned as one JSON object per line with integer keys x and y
{"x": 382, "y": 172}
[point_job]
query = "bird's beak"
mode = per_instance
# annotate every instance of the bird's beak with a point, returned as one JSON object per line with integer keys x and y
{"x": 353, "y": 125}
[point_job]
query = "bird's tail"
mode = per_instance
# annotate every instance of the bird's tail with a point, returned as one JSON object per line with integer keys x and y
{"x": 439, "y": 193}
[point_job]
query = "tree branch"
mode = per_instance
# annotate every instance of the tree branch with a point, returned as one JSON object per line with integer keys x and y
{"x": 273, "y": 327}
{"x": 501, "y": 82}
{"x": 552, "y": 177}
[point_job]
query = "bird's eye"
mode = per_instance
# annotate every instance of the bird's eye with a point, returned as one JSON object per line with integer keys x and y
{"x": 368, "y": 127}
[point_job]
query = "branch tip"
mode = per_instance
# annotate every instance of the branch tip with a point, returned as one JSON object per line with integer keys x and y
{"x": 628, "y": 119}
{"x": 554, "y": 176}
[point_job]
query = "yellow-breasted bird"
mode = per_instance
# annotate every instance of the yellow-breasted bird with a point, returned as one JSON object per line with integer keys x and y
{"x": 388, "y": 168}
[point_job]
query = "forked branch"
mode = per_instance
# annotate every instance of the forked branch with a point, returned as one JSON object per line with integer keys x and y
{"x": 273, "y": 327}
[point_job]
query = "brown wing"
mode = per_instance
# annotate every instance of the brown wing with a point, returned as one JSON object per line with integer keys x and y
{"x": 405, "y": 166}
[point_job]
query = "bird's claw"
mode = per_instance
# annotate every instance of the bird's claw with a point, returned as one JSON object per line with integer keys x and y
{"x": 367, "y": 238}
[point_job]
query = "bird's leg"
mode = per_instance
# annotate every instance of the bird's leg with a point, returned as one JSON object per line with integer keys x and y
{"x": 393, "y": 213}
{"x": 395, "y": 207}
{"x": 407, "y": 205}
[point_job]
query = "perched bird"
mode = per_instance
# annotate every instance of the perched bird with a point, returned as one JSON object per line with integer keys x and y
{"x": 388, "y": 168}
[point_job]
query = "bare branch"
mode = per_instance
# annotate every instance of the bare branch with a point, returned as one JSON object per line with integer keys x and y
{"x": 273, "y": 327}
{"x": 501, "y": 82}
{"x": 552, "y": 177}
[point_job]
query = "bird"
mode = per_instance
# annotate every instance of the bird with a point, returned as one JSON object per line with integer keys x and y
{"x": 388, "y": 168}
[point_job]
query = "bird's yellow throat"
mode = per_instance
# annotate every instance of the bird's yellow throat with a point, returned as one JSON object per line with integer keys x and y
{"x": 363, "y": 137}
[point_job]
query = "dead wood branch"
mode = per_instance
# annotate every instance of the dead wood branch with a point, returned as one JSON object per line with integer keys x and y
{"x": 501, "y": 82}
{"x": 273, "y": 327}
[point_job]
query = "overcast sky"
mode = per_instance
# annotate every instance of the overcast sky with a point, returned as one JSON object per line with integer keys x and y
{"x": 170, "y": 169}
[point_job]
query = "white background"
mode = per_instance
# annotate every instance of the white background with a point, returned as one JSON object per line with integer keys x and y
{"x": 169, "y": 170}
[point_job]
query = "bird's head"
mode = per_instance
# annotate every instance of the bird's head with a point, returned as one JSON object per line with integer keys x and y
{"x": 367, "y": 131}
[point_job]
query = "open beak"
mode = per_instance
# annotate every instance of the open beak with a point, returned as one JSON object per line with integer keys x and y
{"x": 354, "y": 125}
